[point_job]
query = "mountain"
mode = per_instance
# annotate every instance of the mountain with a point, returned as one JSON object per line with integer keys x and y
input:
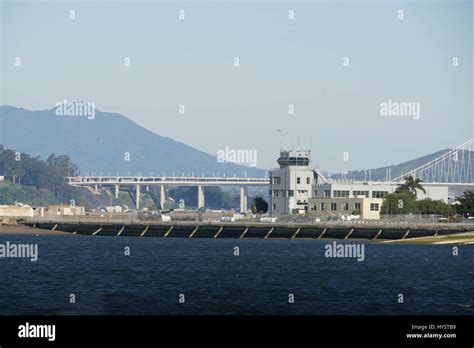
{"x": 380, "y": 174}
{"x": 107, "y": 143}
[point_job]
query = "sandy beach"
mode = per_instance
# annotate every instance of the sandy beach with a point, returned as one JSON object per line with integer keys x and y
{"x": 457, "y": 238}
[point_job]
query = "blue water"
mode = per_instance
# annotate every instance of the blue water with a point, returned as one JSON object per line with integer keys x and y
{"x": 214, "y": 281}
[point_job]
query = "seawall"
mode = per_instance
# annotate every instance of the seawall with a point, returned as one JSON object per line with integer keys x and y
{"x": 334, "y": 230}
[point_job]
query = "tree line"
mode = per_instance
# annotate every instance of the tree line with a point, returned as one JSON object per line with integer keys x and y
{"x": 50, "y": 174}
{"x": 404, "y": 201}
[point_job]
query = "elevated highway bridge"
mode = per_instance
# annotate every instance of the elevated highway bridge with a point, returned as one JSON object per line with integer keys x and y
{"x": 138, "y": 182}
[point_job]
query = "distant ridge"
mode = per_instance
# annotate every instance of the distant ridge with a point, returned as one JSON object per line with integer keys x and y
{"x": 379, "y": 174}
{"x": 100, "y": 145}
{"x": 104, "y": 144}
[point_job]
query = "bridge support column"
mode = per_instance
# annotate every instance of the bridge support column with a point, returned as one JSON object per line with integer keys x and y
{"x": 117, "y": 189}
{"x": 137, "y": 197}
{"x": 243, "y": 199}
{"x": 162, "y": 197}
{"x": 200, "y": 196}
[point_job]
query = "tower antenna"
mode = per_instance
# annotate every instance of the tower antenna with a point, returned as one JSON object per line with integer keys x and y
{"x": 281, "y": 138}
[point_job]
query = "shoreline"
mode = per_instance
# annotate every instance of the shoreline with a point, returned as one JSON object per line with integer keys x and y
{"x": 466, "y": 238}
{"x": 461, "y": 238}
{"x": 25, "y": 230}
{"x": 465, "y": 226}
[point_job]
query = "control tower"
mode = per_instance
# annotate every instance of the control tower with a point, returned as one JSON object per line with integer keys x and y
{"x": 291, "y": 185}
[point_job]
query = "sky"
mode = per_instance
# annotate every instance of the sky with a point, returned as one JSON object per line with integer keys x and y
{"x": 335, "y": 63}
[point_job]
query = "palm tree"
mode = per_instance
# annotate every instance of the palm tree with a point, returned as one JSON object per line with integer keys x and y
{"x": 466, "y": 203}
{"x": 411, "y": 185}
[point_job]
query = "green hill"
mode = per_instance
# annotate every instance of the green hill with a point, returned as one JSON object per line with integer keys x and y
{"x": 11, "y": 193}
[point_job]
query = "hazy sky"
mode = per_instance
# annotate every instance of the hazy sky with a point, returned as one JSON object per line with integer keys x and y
{"x": 282, "y": 62}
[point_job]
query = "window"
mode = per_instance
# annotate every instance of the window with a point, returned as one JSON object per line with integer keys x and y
{"x": 361, "y": 193}
{"x": 333, "y": 206}
{"x": 338, "y": 193}
{"x": 276, "y": 180}
{"x": 302, "y": 192}
{"x": 308, "y": 180}
{"x": 374, "y": 207}
{"x": 291, "y": 193}
{"x": 327, "y": 193}
{"x": 357, "y": 206}
{"x": 345, "y": 206}
{"x": 298, "y": 180}
{"x": 275, "y": 193}
{"x": 315, "y": 193}
{"x": 323, "y": 206}
{"x": 379, "y": 194}
{"x": 274, "y": 206}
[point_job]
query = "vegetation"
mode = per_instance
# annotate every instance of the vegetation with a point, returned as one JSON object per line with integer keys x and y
{"x": 45, "y": 180}
{"x": 466, "y": 204}
{"x": 10, "y": 193}
{"x": 215, "y": 198}
{"x": 411, "y": 185}
{"x": 259, "y": 205}
{"x": 429, "y": 206}
{"x": 402, "y": 202}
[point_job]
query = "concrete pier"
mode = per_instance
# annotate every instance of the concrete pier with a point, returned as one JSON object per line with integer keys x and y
{"x": 200, "y": 196}
{"x": 162, "y": 197}
{"x": 137, "y": 197}
{"x": 243, "y": 199}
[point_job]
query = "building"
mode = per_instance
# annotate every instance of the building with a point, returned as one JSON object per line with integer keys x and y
{"x": 291, "y": 185}
{"x": 16, "y": 210}
{"x": 372, "y": 189}
{"x": 110, "y": 209}
{"x": 296, "y": 187}
{"x": 56, "y": 210}
{"x": 39, "y": 211}
{"x": 339, "y": 198}
{"x": 343, "y": 208}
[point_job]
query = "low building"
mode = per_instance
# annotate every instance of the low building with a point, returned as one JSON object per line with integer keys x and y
{"x": 340, "y": 208}
{"x": 55, "y": 210}
{"x": 372, "y": 189}
{"x": 110, "y": 209}
{"x": 17, "y": 210}
{"x": 39, "y": 211}
{"x": 297, "y": 188}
